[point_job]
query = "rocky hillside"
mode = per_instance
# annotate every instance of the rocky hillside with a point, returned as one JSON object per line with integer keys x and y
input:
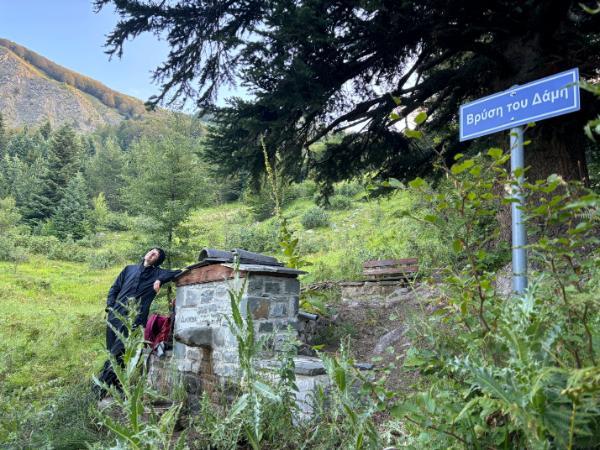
{"x": 33, "y": 89}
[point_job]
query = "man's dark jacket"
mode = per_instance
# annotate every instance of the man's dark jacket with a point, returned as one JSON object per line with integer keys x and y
{"x": 136, "y": 281}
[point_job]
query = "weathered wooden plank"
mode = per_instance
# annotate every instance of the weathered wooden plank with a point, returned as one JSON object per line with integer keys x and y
{"x": 390, "y": 262}
{"x": 390, "y": 271}
{"x": 206, "y": 274}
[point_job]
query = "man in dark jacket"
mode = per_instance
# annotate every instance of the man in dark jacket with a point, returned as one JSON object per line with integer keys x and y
{"x": 139, "y": 283}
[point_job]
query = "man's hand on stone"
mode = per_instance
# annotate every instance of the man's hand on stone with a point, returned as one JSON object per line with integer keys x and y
{"x": 156, "y": 286}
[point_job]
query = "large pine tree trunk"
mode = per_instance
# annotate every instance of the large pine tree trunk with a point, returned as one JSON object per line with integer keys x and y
{"x": 557, "y": 147}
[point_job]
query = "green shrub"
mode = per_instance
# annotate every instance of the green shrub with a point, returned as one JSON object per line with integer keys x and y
{"x": 40, "y": 245}
{"x": 68, "y": 251}
{"x": 95, "y": 240}
{"x": 11, "y": 232}
{"x": 340, "y": 202}
{"x": 68, "y": 422}
{"x": 105, "y": 259}
{"x": 348, "y": 188}
{"x": 255, "y": 238}
{"x": 312, "y": 243}
{"x": 6, "y": 248}
{"x": 118, "y": 222}
{"x": 260, "y": 203}
{"x": 508, "y": 373}
{"x": 315, "y": 217}
{"x": 306, "y": 189}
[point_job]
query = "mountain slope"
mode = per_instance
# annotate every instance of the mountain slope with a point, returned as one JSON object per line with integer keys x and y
{"x": 33, "y": 89}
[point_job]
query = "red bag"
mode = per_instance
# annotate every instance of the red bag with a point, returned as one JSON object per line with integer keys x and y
{"x": 157, "y": 329}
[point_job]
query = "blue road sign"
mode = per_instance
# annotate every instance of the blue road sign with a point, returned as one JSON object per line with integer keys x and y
{"x": 541, "y": 99}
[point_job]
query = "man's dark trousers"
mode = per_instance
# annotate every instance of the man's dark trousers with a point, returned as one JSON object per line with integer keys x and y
{"x": 116, "y": 349}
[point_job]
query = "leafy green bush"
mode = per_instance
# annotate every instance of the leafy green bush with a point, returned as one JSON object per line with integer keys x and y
{"x": 53, "y": 248}
{"x": 340, "y": 202}
{"x": 10, "y": 232}
{"x": 306, "y": 190}
{"x": 68, "y": 251}
{"x": 348, "y": 188}
{"x": 518, "y": 372}
{"x": 255, "y": 238}
{"x": 94, "y": 241}
{"x": 105, "y": 259}
{"x": 118, "y": 221}
{"x": 40, "y": 245}
{"x": 261, "y": 203}
{"x": 315, "y": 217}
{"x": 67, "y": 423}
{"x": 311, "y": 243}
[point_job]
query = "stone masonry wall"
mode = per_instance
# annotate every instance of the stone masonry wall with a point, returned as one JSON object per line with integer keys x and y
{"x": 201, "y": 311}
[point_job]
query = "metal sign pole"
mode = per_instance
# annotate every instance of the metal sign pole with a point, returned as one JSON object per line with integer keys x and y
{"x": 537, "y": 100}
{"x": 519, "y": 235}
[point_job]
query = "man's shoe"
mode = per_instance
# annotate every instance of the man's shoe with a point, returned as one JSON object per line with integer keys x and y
{"x": 105, "y": 403}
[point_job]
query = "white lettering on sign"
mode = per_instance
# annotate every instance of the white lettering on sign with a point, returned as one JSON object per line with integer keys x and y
{"x": 550, "y": 96}
{"x": 474, "y": 119}
{"x": 517, "y": 105}
{"x": 498, "y": 112}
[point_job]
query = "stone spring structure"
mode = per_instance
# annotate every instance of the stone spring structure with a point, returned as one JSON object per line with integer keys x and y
{"x": 205, "y": 352}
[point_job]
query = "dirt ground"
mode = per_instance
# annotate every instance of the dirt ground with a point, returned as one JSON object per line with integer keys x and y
{"x": 378, "y": 330}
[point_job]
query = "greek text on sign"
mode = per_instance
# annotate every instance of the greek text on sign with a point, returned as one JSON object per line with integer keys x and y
{"x": 541, "y": 99}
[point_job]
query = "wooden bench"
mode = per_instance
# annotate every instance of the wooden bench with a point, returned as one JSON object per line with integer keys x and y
{"x": 391, "y": 269}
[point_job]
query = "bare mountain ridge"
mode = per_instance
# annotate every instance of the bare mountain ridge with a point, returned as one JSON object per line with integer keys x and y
{"x": 34, "y": 89}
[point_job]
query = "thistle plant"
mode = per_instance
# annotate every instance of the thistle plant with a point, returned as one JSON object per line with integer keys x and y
{"x": 255, "y": 393}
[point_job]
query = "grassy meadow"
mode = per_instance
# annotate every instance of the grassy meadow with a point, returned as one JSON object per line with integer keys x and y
{"x": 52, "y": 328}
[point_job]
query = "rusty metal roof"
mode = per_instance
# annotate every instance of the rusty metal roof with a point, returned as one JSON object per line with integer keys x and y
{"x": 262, "y": 268}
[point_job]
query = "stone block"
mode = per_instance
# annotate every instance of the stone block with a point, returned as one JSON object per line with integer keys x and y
{"x": 306, "y": 365}
{"x": 180, "y": 298}
{"x": 273, "y": 287}
{"x": 207, "y": 295}
{"x": 259, "y": 307}
{"x": 265, "y": 327}
{"x": 230, "y": 357}
{"x": 278, "y": 309}
{"x": 196, "y": 337}
{"x": 186, "y": 318}
{"x": 283, "y": 325}
{"x": 292, "y": 286}
{"x": 278, "y": 342}
{"x": 221, "y": 293}
{"x": 294, "y": 305}
{"x": 307, "y": 386}
{"x": 184, "y": 365}
{"x": 218, "y": 340}
{"x": 230, "y": 339}
{"x": 227, "y": 371}
{"x": 179, "y": 350}
{"x": 193, "y": 354}
{"x": 255, "y": 286}
{"x": 192, "y": 298}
